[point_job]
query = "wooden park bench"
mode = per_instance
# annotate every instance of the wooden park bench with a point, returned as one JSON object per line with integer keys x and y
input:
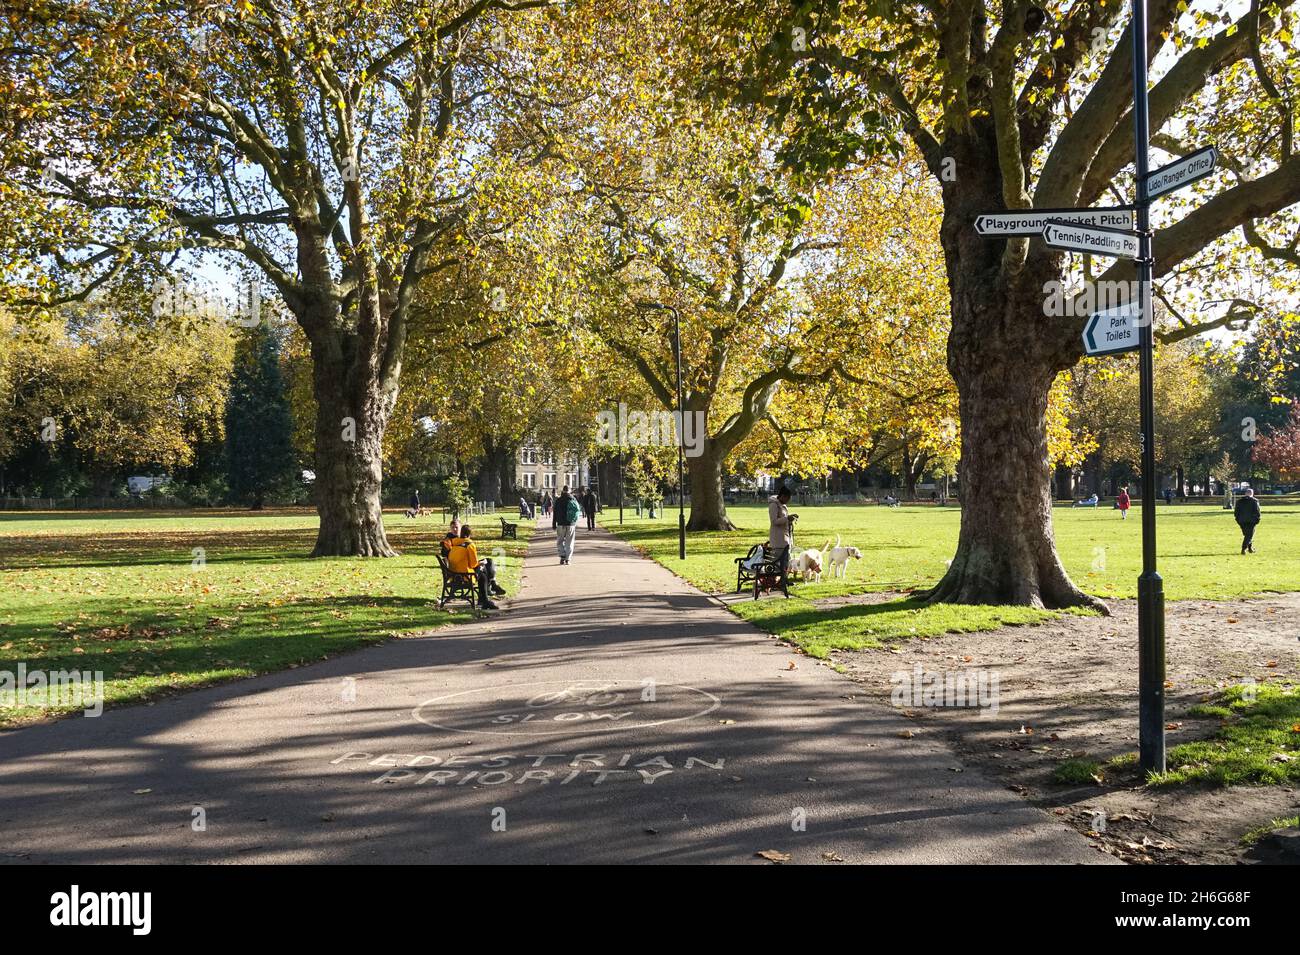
{"x": 770, "y": 574}
{"x": 508, "y": 530}
{"x": 456, "y": 586}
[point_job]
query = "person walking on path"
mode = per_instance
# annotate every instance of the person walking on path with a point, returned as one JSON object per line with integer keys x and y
{"x": 1123, "y": 502}
{"x": 565, "y": 521}
{"x": 590, "y": 505}
{"x": 1246, "y": 511}
{"x": 780, "y": 534}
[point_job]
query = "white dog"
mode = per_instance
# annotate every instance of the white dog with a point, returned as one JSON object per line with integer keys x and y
{"x": 808, "y": 564}
{"x": 839, "y": 558}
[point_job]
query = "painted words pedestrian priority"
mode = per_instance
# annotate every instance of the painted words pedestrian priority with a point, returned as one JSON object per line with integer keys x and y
{"x": 421, "y": 769}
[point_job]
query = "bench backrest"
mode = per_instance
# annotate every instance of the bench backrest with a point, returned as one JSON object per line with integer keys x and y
{"x": 446, "y": 568}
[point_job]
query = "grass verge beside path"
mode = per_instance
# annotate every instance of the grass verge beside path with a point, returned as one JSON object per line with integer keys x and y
{"x": 160, "y": 601}
{"x": 1258, "y": 741}
{"x": 907, "y": 548}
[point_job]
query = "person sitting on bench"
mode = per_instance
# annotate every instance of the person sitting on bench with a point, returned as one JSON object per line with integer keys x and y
{"x": 463, "y": 558}
{"x": 451, "y": 535}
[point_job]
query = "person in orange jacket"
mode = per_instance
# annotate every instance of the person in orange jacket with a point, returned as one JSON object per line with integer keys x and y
{"x": 462, "y": 558}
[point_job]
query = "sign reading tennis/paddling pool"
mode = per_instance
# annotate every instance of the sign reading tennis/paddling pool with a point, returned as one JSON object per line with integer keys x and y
{"x": 1090, "y": 239}
{"x": 541, "y": 709}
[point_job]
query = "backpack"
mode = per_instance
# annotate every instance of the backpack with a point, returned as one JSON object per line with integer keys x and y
{"x": 571, "y": 510}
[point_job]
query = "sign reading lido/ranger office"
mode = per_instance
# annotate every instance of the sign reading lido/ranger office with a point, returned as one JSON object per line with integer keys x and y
{"x": 1092, "y": 240}
{"x": 1114, "y": 330}
{"x": 1183, "y": 172}
{"x": 1029, "y": 222}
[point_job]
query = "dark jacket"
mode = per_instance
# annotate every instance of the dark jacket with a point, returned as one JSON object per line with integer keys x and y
{"x": 558, "y": 515}
{"x": 590, "y": 503}
{"x": 1246, "y": 511}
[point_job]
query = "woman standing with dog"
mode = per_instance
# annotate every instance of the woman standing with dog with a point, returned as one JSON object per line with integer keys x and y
{"x": 780, "y": 534}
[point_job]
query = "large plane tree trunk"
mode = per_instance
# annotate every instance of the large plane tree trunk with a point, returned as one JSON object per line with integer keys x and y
{"x": 704, "y": 474}
{"x": 352, "y": 411}
{"x": 1003, "y": 353}
{"x": 492, "y": 467}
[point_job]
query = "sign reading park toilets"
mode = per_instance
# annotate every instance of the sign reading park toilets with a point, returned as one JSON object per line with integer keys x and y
{"x": 542, "y": 709}
{"x": 1113, "y": 330}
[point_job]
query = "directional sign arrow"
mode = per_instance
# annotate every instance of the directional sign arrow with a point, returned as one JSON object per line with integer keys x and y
{"x": 1113, "y": 330}
{"x": 1079, "y": 238}
{"x": 1031, "y": 221}
{"x": 1184, "y": 172}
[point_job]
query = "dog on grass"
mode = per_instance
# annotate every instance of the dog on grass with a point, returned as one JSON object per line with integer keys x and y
{"x": 808, "y": 564}
{"x": 838, "y": 558}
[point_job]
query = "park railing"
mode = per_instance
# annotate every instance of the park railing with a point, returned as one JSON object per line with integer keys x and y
{"x": 90, "y": 503}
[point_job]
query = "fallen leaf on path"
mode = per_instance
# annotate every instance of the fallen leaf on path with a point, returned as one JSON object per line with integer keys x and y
{"x": 832, "y": 857}
{"x": 772, "y": 855}
{"x": 141, "y": 792}
{"x": 905, "y": 734}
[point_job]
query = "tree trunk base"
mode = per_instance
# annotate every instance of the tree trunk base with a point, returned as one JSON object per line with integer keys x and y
{"x": 971, "y": 580}
{"x": 348, "y": 544}
{"x": 702, "y": 523}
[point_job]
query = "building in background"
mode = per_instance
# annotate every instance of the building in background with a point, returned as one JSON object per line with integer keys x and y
{"x": 539, "y": 470}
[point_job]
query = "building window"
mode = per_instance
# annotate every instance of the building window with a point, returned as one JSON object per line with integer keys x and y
{"x": 548, "y": 479}
{"x": 530, "y": 480}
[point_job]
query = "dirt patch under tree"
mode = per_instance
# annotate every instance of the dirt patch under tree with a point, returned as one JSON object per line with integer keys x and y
{"x": 1068, "y": 689}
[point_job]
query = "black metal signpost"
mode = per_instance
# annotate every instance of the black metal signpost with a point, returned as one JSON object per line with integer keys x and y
{"x": 1151, "y": 589}
{"x": 1125, "y": 232}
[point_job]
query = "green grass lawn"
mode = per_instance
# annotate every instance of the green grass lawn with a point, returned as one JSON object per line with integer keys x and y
{"x": 1257, "y": 742}
{"x": 906, "y": 548}
{"x": 126, "y": 593}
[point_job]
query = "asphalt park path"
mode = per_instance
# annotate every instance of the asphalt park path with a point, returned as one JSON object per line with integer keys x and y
{"x": 612, "y": 713}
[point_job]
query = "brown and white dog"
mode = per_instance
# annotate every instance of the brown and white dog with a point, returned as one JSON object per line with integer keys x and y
{"x": 807, "y": 564}
{"x": 839, "y": 557}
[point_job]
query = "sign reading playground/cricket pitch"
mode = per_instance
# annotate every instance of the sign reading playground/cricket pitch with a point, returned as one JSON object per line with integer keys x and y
{"x": 1092, "y": 240}
{"x": 1114, "y": 330}
{"x": 1030, "y": 222}
{"x": 541, "y": 709}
